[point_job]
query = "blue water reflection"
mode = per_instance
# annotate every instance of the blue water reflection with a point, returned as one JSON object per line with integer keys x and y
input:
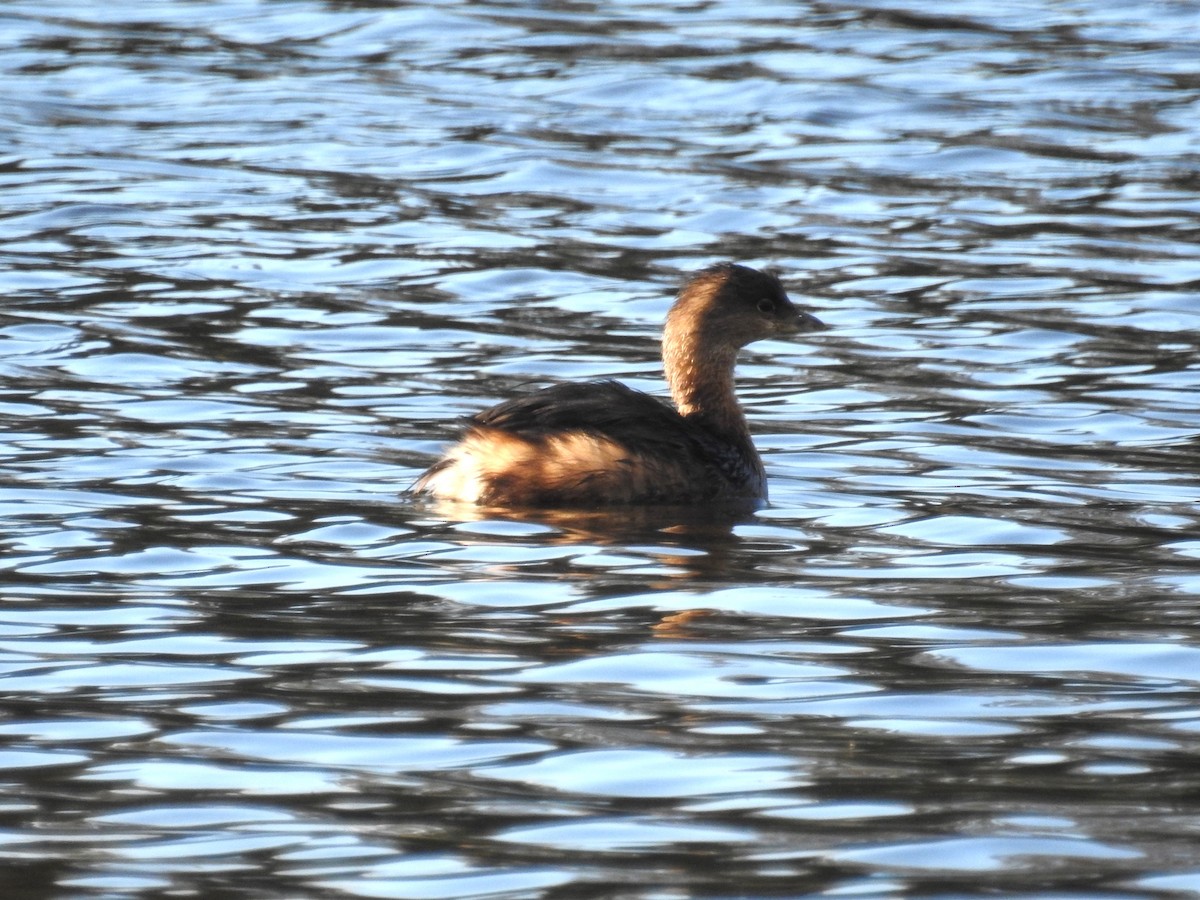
{"x": 259, "y": 259}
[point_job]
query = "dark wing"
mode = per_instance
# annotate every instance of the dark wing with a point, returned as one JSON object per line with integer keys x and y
{"x": 606, "y": 408}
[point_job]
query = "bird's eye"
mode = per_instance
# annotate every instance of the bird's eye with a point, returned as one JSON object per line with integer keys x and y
{"x": 765, "y": 305}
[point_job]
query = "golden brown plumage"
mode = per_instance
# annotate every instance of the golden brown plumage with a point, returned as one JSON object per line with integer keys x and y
{"x": 601, "y": 443}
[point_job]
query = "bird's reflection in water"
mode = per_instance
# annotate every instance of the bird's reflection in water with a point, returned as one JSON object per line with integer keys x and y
{"x": 628, "y": 549}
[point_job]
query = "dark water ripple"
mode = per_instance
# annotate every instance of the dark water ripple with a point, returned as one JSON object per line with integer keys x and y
{"x": 257, "y": 260}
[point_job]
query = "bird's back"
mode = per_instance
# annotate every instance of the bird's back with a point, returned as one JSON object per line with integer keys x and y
{"x": 591, "y": 444}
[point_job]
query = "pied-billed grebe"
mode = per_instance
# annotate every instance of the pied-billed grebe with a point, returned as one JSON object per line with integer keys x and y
{"x": 602, "y": 443}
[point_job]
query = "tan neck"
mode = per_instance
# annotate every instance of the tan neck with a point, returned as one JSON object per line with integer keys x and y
{"x": 701, "y": 382}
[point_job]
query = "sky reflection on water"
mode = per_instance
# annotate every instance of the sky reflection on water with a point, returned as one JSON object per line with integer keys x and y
{"x": 259, "y": 258}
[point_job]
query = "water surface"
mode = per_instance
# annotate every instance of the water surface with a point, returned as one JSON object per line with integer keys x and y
{"x": 258, "y": 258}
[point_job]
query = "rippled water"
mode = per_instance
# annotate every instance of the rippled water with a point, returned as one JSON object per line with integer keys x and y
{"x": 258, "y": 257}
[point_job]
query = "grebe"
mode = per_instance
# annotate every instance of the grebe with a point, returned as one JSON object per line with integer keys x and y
{"x": 601, "y": 443}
